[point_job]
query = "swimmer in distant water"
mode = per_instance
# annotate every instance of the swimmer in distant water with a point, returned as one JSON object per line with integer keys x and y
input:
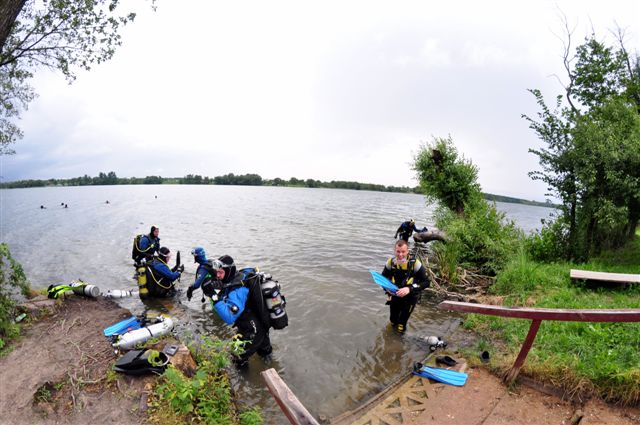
{"x": 42, "y": 207}
{"x": 66, "y": 206}
{"x": 107, "y": 201}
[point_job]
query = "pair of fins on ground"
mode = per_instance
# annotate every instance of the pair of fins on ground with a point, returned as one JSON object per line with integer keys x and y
{"x": 445, "y": 376}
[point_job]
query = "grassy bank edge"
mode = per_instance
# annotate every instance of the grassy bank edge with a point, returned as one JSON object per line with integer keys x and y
{"x": 600, "y": 359}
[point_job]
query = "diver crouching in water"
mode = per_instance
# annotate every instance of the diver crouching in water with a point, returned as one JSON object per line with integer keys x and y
{"x": 237, "y": 302}
{"x": 160, "y": 279}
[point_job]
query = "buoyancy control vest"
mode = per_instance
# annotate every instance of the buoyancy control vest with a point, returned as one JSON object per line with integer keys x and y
{"x": 137, "y": 253}
{"x": 267, "y": 301}
{"x": 267, "y": 292}
{"x": 401, "y": 276}
{"x": 156, "y": 285}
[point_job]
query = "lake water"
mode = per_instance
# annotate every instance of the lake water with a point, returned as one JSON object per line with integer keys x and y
{"x": 318, "y": 243}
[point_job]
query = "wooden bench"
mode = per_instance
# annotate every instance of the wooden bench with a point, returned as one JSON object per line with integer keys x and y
{"x": 604, "y": 277}
{"x": 537, "y": 315}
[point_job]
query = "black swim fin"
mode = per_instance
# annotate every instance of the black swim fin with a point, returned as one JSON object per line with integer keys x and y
{"x": 136, "y": 362}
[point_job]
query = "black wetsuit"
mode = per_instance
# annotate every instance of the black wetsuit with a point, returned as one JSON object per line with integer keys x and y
{"x": 405, "y": 230}
{"x": 411, "y": 274}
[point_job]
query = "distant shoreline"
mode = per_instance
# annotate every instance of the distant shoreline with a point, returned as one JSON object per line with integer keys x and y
{"x": 111, "y": 179}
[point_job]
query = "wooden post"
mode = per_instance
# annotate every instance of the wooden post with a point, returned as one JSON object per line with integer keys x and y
{"x": 522, "y": 356}
{"x": 289, "y": 403}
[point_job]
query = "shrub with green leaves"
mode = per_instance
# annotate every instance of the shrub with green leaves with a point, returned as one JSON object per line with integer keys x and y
{"x": 206, "y": 397}
{"x": 479, "y": 237}
{"x": 12, "y": 280}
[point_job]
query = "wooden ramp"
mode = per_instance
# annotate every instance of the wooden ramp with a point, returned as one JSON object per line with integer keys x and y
{"x": 604, "y": 277}
{"x": 400, "y": 404}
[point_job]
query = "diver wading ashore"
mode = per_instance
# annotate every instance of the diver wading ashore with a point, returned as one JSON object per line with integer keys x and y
{"x": 246, "y": 299}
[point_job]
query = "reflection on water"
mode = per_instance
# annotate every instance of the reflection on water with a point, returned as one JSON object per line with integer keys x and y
{"x": 319, "y": 243}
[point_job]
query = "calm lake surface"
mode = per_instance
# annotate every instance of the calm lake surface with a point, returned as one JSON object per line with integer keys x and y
{"x": 318, "y": 243}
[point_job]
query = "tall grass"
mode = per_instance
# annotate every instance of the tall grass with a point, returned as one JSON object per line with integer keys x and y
{"x": 597, "y": 358}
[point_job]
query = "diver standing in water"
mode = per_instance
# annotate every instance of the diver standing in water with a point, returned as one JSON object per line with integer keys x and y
{"x": 160, "y": 279}
{"x": 237, "y": 302}
{"x": 407, "y": 228}
{"x": 410, "y": 276}
{"x": 144, "y": 246}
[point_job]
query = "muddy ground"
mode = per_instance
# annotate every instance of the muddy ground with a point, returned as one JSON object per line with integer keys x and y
{"x": 59, "y": 372}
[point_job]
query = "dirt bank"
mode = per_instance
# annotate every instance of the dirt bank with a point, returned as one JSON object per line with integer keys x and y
{"x": 59, "y": 372}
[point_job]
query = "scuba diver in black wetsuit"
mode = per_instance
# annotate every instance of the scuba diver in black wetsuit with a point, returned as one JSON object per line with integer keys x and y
{"x": 410, "y": 276}
{"x": 407, "y": 228}
{"x": 161, "y": 279}
{"x": 145, "y": 246}
{"x": 237, "y": 299}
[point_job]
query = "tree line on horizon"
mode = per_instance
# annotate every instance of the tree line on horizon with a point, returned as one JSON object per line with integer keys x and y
{"x": 110, "y": 178}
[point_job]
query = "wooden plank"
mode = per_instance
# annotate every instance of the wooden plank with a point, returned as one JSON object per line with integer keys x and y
{"x": 604, "y": 276}
{"x": 289, "y": 403}
{"x": 567, "y": 315}
{"x": 522, "y": 356}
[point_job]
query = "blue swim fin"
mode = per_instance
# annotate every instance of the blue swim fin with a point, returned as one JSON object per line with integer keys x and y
{"x": 123, "y": 326}
{"x": 445, "y": 376}
{"x": 383, "y": 281}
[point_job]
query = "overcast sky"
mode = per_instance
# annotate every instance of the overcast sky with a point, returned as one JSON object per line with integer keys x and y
{"x": 344, "y": 90}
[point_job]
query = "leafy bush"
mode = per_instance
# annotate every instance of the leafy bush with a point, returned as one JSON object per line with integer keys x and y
{"x": 482, "y": 239}
{"x": 479, "y": 237}
{"x": 549, "y": 243}
{"x": 12, "y": 279}
{"x": 206, "y": 397}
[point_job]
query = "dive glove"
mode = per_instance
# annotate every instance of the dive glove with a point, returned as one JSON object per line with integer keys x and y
{"x": 209, "y": 287}
{"x": 189, "y": 293}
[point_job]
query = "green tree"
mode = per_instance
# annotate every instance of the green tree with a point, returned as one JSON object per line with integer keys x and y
{"x": 56, "y": 34}
{"x": 444, "y": 177}
{"x": 593, "y": 146}
{"x": 479, "y": 237}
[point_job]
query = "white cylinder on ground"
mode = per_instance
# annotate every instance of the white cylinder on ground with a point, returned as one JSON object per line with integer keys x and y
{"x": 83, "y": 288}
{"x": 119, "y": 293}
{"x": 131, "y": 338}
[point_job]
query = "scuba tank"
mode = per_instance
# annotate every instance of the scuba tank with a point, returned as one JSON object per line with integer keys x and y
{"x": 83, "y": 288}
{"x": 119, "y": 293}
{"x": 129, "y": 340}
{"x": 141, "y": 277}
{"x": 274, "y": 301}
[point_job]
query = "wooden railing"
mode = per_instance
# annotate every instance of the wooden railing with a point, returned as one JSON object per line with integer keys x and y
{"x": 537, "y": 315}
{"x": 288, "y": 402}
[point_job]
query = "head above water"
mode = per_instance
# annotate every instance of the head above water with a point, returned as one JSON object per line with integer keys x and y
{"x": 226, "y": 264}
{"x": 155, "y": 231}
{"x": 164, "y": 254}
{"x": 199, "y": 255}
{"x": 401, "y": 250}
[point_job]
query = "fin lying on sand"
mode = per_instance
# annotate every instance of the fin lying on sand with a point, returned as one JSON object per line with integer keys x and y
{"x": 445, "y": 376}
{"x": 383, "y": 281}
{"x": 124, "y": 326}
{"x": 137, "y": 362}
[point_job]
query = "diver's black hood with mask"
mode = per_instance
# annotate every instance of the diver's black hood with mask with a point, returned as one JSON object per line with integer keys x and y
{"x": 229, "y": 268}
